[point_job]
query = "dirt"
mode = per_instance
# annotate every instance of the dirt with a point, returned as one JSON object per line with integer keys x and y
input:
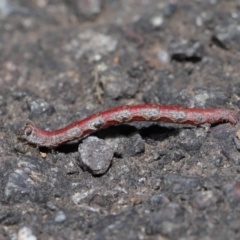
{"x": 63, "y": 60}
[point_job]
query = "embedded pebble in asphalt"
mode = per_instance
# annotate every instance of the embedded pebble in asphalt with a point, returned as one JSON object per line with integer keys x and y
{"x": 96, "y": 155}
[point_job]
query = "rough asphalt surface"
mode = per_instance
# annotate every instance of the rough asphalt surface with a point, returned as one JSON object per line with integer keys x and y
{"x": 63, "y": 60}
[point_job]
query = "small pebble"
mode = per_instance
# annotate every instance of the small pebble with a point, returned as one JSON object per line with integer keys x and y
{"x": 60, "y": 217}
{"x": 157, "y": 21}
{"x": 25, "y": 233}
{"x": 227, "y": 36}
{"x": 51, "y": 206}
{"x": 186, "y": 50}
{"x": 96, "y": 155}
{"x": 40, "y": 107}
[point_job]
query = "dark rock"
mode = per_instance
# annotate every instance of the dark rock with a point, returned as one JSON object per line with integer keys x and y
{"x": 27, "y": 179}
{"x": 96, "y": 155}
{"x": 19, "y": 93}
{"x": 177, "y": 155}
{"x": 118, "y": 144}
{"x": 9, "y": 218}
{"x": 22, "y": 182}
{"x": 15, "y": 178}
{"x": 134, "y": 146}
{"x": 186, "y": 51}
{"x": 217, "y": 161}
{"x": 3, "y": 215}
{"x": 137, "y": 71}
{"x": 127, "y": 146}
{"x": 224, "y": 134}
{"x": 190, "y": 140}
{"x": 169, "y": 10}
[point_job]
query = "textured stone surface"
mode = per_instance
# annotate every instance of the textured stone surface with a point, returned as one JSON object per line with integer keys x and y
{"x": 158, "y": 180}
{"x": 96, "y": 155}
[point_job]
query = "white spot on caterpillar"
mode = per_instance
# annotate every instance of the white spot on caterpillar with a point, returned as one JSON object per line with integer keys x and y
{"x": 95, "y": 123}
{"x": 177, "y": 116}
{"x": 122, "y": 116}
{"x": 150, "y": 114}
{"x": 198, "y": 118}
{"x": 73, "y": 133}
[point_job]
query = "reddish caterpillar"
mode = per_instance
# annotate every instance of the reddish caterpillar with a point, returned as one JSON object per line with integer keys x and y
{"x": 124, "y": 114}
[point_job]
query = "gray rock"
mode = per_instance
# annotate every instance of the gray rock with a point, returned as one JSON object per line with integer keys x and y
{"x": 40, "y": 107}
{"x": 60, "y": 217}
{"x": 191, "y": 140}
{"x": 127, "y": 146}
{"x": 9, "y": 217}
{"x": 186, "y": 50}
{"x": 96, "y": 155}
{"x": 227, "y": 36}
{"x": 27, "y": 179}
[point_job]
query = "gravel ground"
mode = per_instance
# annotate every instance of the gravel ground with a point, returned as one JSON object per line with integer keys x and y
{"x": 63, "y": 60}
